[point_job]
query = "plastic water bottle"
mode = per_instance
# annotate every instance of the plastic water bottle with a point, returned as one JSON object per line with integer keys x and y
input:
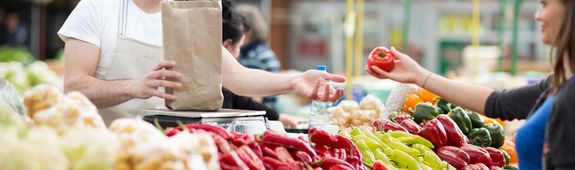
{"x": 319, "y": 116}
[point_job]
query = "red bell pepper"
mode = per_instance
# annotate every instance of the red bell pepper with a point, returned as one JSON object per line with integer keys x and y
{"x": 477, "y": 154}
{"x": 213, "y": 129}
{"x": 476, "y": 166}
{"x": 283, "y": 140}
{"x": 326, "y": 163}
{"x": 386, "y": 125}
{"x": 321, "y": 137}
{"x": 434, "y": 132}
{"x": 400, "y": 118}
{"x": 411, "y": 126}
{"x": 454, "y": 156}
{"x": 455, "y": 136}
{"x": 382, "y": 58}
{"x": 497, "y": 158}
{"x": 495, "y": 168}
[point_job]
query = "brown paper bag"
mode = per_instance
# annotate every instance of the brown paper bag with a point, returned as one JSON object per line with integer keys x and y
{"x": 192, "y": 33}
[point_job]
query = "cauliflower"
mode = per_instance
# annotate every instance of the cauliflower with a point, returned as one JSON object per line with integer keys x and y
{"x": 88, "y": 148}
{"x": 144, "y": 147}
{"x": 41, "y": 97}
{"x": 31, "y": 149}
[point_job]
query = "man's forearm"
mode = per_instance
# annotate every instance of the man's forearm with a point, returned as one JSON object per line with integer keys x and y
{"x": 252, "y": 82}
{"x": 102, "y": 93}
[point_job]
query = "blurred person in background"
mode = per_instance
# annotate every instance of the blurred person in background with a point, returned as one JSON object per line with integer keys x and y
{"x": 255, "y": 53}
{"x": 13, "y": 31}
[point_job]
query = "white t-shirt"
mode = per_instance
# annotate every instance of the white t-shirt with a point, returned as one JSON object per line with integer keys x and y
{"x": 96, "y": 22}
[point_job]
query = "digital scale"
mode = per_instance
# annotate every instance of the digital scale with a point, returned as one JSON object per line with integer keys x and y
{"x": 242, "y": 121}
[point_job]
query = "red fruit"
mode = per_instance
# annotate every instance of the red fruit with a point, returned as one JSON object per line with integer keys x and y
{"x": 382, "y": 58}
{"x": 477, "y": 154}
{"x": 477, "y": 166}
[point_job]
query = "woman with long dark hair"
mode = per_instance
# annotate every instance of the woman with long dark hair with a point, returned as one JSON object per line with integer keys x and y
{"x": 547, "y": 139}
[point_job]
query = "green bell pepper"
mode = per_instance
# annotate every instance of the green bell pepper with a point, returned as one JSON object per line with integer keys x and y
{"x": 424, "y": 111}
{"x": 444, "y": 106}
{"x": 497, "y": 134}
{"x": 480, "y": 137}
{"x": 476, "y": 120}
{"x": 460, "y": 117}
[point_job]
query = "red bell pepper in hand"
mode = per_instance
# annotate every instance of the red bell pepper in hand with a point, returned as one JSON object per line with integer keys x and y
{"x": 497, "y": 158}
{"x": 411, "y": 126}
{"x": 270, "y": 137}
{"x": 386, "y": 125}
{"x": 455, "y": 136}
{"x": 382, "y": 58}
{"x": 435, "y": 133}
{"x": 477, "y": 154}
{"x": 454, "y": 156}
{"x": 477, "y": 166}
{"x": 213, "y": 129}
{"x": 321, "y": 137}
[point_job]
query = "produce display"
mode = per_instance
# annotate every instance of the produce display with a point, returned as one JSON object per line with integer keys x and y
{"x": 26, "y": 76}
{"x": 48, "y": 129}
{"x": 350, "y": 113}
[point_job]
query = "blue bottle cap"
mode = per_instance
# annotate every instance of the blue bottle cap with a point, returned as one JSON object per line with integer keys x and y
{"x": 321, "y": 68}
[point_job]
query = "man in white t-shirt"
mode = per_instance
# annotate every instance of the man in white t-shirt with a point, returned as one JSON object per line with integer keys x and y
{"x": 109, "y": 46}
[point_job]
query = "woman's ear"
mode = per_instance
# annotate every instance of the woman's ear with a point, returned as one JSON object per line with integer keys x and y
{"x": 228, "y": 44}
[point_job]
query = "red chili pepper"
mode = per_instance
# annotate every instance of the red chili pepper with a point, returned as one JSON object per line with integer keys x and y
{"x": 343, "y": 153}
{"x": 238, "y": 142}
{"x": 223, "y": 145}
{"x": 387, "y": 125}
{"x": 340, "y": 167}
{"x": 250, "y": 158}
{"x": 434, "y": 132}
{"x": 378, "y": 166}
{"x": 326, "y": 163}
{"x": 283, "y": 155}
{"x": 283, "y": 140}
{"x": 303, "y": 157}
{"x": 321, "y": 137}
{"x": 345, "y": 143}
{"x": 354, "y": 161}
{"x": 231, "y": 161}
{"x": 477, "y": 166}
{"x": 454, "y": 156}
{"x": 497, "y": 158}
{"x": 271, "y": 163}
{"x": 270, "y": 153}
{"x": 172, "y": 131}
{"x": 321, "y": 150}
{"x": 256, "y": 148}
{"x": 455, "y": 136}
{"x": 211, "y": 128}
{"x": 411, "y": 126}
{"x": 477, "y": 154}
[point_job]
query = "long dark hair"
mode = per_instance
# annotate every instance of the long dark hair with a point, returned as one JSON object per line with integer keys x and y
{"x": 565, "y": 47}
